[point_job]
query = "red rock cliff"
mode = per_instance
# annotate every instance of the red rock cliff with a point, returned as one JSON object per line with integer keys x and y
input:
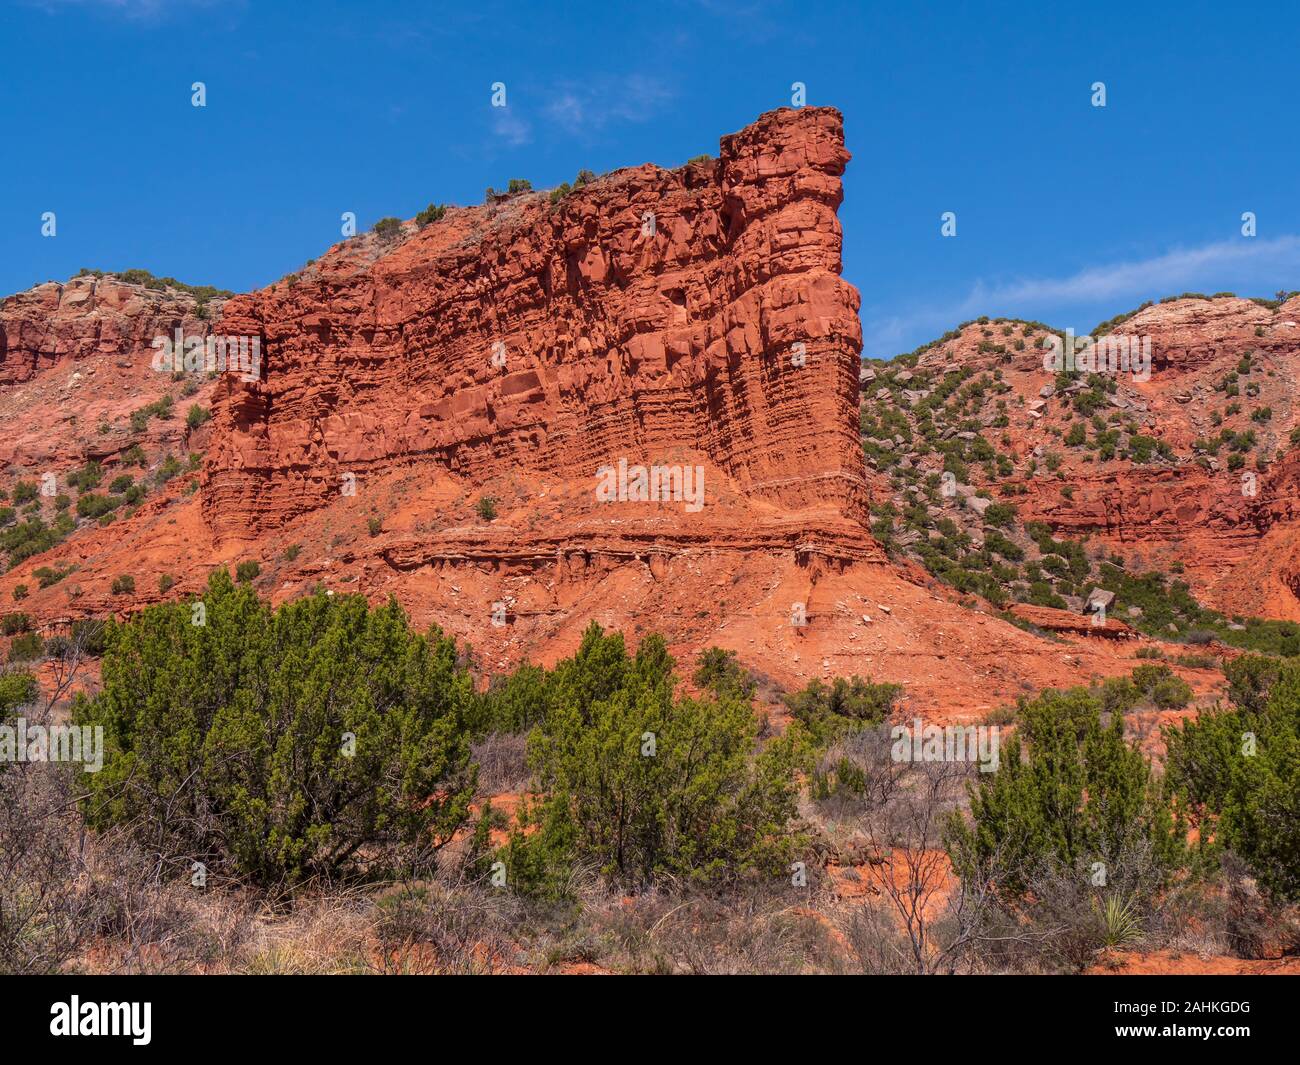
{"x": 87, "y": 318}
{"x": 648, "y": 311}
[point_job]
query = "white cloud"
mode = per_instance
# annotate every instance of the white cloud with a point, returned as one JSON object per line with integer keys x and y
{"x": 135, "y": 10}
{"x": 510, "y": 127}
{"x": 581, "y": 109}
{"x": 588, "y": 107}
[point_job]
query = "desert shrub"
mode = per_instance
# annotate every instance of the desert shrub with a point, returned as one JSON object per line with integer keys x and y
{"x": 90, "y": 634}
{"x": 486, "y": 508}
{"x": 1081, "y": 796}
{"x": 20, "y": 592}
{"x": 387, "y": 228}
{"x": 159, "y": 408}
{"x": 196, "y": 416}
{"x": 1250, "y": 678}
{"x": 29, "y": 538}
{"x": 999, "y": 515}
{"x": 1238, "y": 768}
{"x": 829, "y": 710}
{"x": 321, "y": 739}
{"x": 47, "y": 575}
{"x": 12, "y": 624}
{"x": 718, "y": 671}
{"x": 16, "y": 689}
{"x": 374, "y": 526}
{"x": 1008, "y": 549}
{"x": 432, "y": 213}
{"x": 1119, "y": 695}
{"x": 26, "y": 648}
{"x": 292, "y": 551}
{"x": 247, "y": 571}
{"x": 171, "y": 467}
{"x": 165, "y": 583}
{"x": 1162, "y": 687}
{"x": 123, "y": 585}
{"x": 24, "y": 492}
{"x": 640, "y": 785}
{"x": 514, "y": 702}
{"x": 86, "y": 478}
{"x": 1196, "y": 661}
{"x": 58, "y": 647}
{"x": 93, "y": 505}
{"x": 848, "y": 775}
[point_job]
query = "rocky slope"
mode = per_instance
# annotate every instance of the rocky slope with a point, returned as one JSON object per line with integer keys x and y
{"x": 86, "y": 319}
{"x": 76, "y": 360}
{"x": 1190, "y": 470}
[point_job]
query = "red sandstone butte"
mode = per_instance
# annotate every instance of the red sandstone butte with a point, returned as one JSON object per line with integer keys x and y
{"x": 649, "y": 311}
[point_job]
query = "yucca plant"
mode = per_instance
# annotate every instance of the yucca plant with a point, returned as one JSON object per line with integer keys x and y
{"x": 1123, "y": 922}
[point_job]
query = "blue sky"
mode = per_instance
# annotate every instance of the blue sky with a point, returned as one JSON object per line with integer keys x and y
{"x": 1066, "y": 212}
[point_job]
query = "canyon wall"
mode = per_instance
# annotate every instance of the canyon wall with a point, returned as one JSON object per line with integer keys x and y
{"x": 697, "y": 312}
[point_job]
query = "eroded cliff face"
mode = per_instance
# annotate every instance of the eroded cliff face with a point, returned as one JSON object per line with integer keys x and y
{"x": 694, "y": 316}
{"x": 87, "y": 319}
{"x": 76, "y": 360}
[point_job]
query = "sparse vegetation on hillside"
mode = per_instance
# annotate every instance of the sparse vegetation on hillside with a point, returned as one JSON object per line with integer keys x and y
{"x": 435, "y": 212}
{"x": 939, "y": 433}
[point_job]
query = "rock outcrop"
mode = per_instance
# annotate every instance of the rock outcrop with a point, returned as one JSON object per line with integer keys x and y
{"x": 88, "y": 318}
{"x": 696, "y": 312}
{"x": 76, "y": 359}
